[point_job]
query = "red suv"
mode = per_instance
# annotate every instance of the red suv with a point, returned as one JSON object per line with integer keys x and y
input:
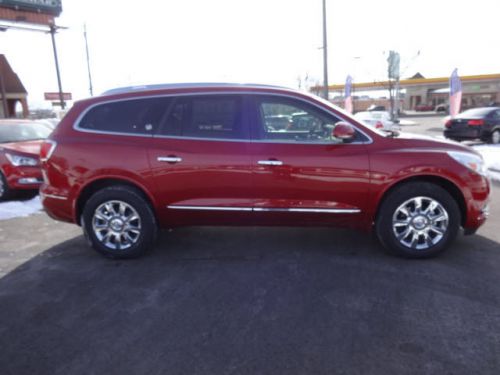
{"x": 123, "y": 164}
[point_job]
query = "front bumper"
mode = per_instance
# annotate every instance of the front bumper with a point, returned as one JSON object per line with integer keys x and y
{"x": 477, "y": 203}
{"x": 23, "y": 178}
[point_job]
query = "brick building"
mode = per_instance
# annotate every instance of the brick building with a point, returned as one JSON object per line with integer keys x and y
{"x": 12, "y": 91}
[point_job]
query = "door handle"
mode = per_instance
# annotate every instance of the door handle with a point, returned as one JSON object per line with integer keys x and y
{"x": 270, "y": 162}
{"x": 169, "y": 159}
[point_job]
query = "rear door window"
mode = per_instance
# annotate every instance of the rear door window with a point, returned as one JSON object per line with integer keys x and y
{"x": 211, "y": 117}
{"x": 138, "y": 116}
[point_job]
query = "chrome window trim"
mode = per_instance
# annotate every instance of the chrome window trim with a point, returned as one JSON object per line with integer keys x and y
{"x": 76, "y": 125}
{"x": 265, "y": 209}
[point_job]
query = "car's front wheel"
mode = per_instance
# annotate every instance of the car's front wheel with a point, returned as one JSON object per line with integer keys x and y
{"x": 119, "y": 222}
{"x": 418, "y": 220}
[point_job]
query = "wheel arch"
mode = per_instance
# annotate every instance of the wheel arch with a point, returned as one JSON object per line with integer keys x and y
{"x": 445, "y": 183}
{"x": 95, "y": 185}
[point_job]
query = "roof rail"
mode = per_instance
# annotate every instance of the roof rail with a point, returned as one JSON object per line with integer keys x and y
{"x": 164, "y": 86}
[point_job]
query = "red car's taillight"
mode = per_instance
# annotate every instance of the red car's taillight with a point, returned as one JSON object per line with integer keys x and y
{"x": 476, "y": 122}
{"x": 448, "y": 124}
{"x": 47, "y": 149}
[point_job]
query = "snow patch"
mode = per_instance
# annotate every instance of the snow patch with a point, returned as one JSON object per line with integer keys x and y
{"x": 491, "y": 156}
{"x": 9, "y": 210}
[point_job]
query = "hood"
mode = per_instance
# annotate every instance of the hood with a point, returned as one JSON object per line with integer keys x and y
{"x": 31, "y": 148}
{"x": 420, "y": 141}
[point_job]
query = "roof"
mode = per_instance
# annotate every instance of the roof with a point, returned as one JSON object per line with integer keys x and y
{"x": 12, "y": 83}
{"x": 166, "y": 86}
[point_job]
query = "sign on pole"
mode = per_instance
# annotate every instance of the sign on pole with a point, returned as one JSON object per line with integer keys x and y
{"x": 394, "y": 62}
{"x": 51, "y": 96}
{"x": 52, "y": 7}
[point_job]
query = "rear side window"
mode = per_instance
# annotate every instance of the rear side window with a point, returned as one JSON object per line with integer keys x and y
{"x": 139, "y": 116}
{"x": 206, "y": 117}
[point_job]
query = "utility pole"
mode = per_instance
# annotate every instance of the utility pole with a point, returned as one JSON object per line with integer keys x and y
{"x": 4, "y": 97}
{"x": 53, "y": 30}
{"x": 325, "y": 55}
{"x": 91, "y": 90}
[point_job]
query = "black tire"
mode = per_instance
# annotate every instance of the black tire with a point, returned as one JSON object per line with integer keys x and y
{"x": 404, "y": 193}
{"x": 495, "y": 137}
{"x": 145, "y": 239}
{"x": 5, "y": 192}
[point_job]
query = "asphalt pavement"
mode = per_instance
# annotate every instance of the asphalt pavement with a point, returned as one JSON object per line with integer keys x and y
{"x": 247, "y": 301}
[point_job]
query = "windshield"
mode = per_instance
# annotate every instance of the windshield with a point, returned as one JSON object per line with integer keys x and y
{"x": 476, "y": 112}
{"x": 23, "y": 132}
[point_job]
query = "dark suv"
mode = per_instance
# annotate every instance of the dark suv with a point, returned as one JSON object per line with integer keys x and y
{"x": 133, "y": 160}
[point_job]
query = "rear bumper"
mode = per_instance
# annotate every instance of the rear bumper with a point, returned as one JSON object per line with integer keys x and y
{"x": 466, "y": 133}
{"x": 56, "y": 204}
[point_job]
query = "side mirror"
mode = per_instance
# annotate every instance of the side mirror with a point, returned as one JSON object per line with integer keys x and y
{"x": 343, "y": 131}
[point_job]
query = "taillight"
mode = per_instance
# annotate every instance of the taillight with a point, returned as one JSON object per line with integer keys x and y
{"x": 448, "y": 124}
{"x": 379, "y": 125}
{"x": 47, "y": 149}
{"x": 476, "y": 122}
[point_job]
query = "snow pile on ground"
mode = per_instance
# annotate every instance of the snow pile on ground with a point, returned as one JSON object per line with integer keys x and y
{"x": 491, "y": 155}
{"x": 404, "y": 122}
{"x": 11, "y": 209}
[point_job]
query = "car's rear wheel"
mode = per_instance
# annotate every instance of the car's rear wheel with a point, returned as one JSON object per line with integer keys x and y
{"x": 119, "y": 222}
{"x": 418, "y": 220}
{"x": 495, "y": 137}
{"x": 4, "y": 188}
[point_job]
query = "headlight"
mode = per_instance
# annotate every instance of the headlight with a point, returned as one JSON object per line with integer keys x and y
{"x": 19, "y": 160}
{"x": 473, "y": 162}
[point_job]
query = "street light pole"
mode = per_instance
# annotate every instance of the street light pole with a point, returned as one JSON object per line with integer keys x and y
{"x": 61, "y": 96}
{"x": 325, "y": 55}
{"x": 88, "y": 59}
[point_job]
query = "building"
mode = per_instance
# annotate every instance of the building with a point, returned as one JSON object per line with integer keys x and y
{"x": 12, "y": 91}
{"x": 478, "y": 90}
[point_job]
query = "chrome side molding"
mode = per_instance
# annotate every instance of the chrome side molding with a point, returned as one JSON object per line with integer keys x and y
{"x": 265, "y": 209}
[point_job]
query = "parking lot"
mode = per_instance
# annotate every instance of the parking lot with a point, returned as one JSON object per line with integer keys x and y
{"x": 248, "y": 301}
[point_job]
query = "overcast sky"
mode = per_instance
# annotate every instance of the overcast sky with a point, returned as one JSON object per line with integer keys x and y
{"x": 259, "y": 41}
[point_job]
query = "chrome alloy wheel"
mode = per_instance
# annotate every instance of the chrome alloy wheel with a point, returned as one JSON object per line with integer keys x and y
{"x": 420, "y": 223}
{"x": 116, "y": 225}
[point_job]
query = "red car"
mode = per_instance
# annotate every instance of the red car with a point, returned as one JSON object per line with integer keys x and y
{"x": 424, "y": 108}
{"x": 133, "y": 160}
{"x": 20, "y": 142}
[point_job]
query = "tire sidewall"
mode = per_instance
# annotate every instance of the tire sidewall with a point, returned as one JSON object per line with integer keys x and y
{"x": 133, "y": 198}
{"x": 6, "y": 191}
{"x": 402, "y": 194}
{"x": 492, "y": 136}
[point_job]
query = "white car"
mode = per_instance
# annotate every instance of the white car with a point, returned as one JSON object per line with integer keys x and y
{"x": 377, "y": 119}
